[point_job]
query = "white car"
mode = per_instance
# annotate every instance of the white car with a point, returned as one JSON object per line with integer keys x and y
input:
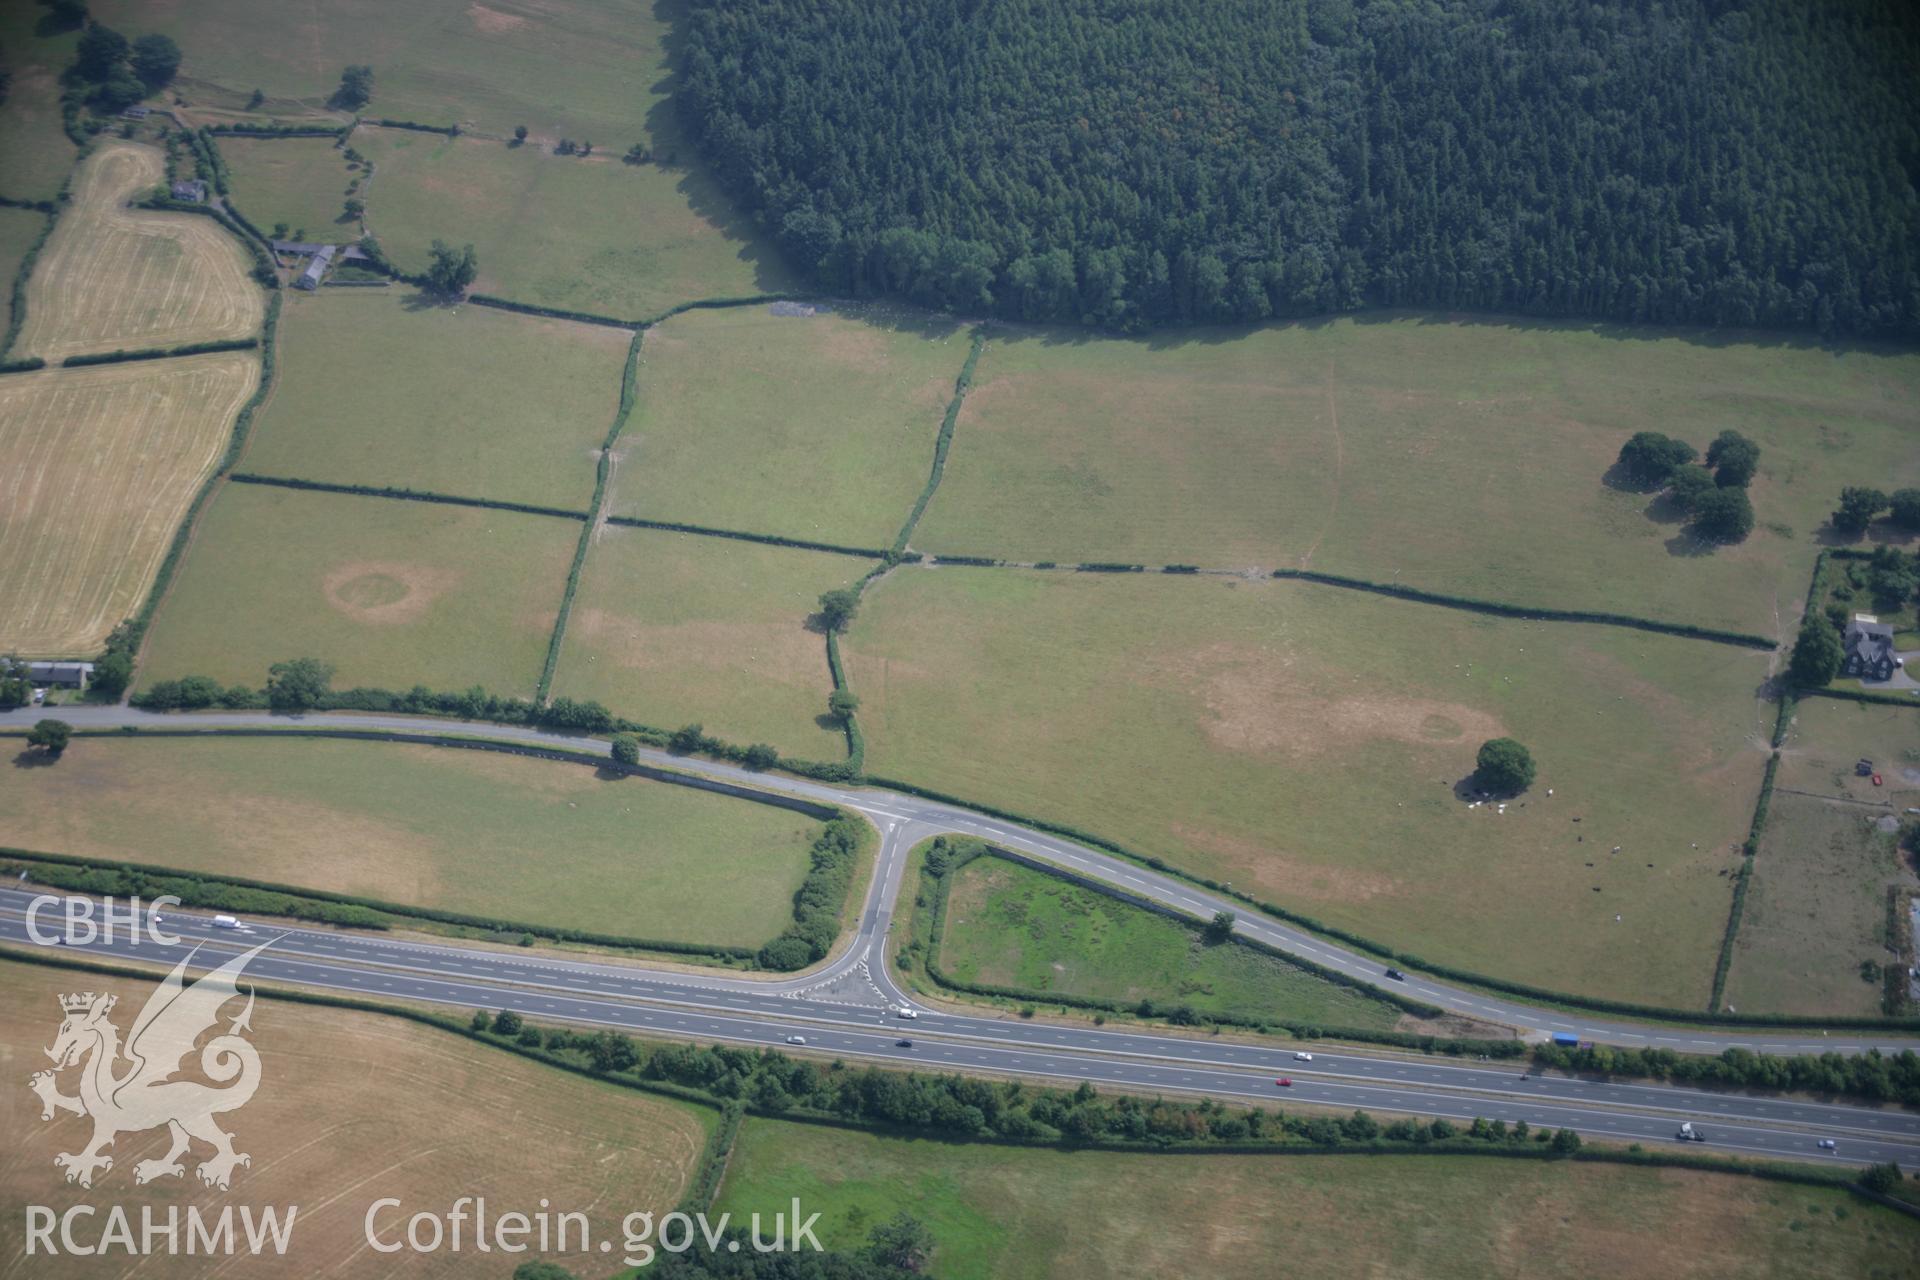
{"x": 1303, "y": 1057}
{"x": 906, "y": 1013}
{"x": 796, "y": 1039}
{"x": 1828, "y": 1144}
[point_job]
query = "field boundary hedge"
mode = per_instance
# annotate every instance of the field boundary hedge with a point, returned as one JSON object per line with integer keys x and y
{"x": 549, "y": 313}
{"x": 937, "y": 888}
{"x": 1742, "y": 878}
{"x": 1863, "y": 695}
{"x": 405, "y": 494}
{"x": 943, "y": 441}
{"x": 740, "y": 535}
{"x": 1500, "y": 986}
{"x": 135, "y": 629}
{"x": 124, "y": 355}
{"x": 28, "y": 365}
{"x": 596, "y": 512}
{"x": 247, "y": 129}
{"x": 1499, "y": 608}
{"x": 448, "y": 130}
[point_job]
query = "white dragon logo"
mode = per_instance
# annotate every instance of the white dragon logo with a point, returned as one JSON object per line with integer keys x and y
{"x": 146, "y": 1096}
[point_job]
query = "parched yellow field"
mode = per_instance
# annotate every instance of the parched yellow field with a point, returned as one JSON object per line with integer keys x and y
{"x": 352, "y": 1108}
{"x": 97, "y": 467}
{"x": 113, "y": 277}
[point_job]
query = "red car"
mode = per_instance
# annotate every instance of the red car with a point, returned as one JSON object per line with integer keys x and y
{"x": 1285, "y": 1082}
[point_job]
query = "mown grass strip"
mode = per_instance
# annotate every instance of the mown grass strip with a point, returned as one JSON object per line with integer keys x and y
{"x": 405, "y": 494}
{"x": 603, "y": 471}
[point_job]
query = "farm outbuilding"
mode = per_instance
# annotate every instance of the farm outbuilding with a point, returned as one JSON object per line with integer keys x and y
{"x": 316, "y": 268}
{"x": 60, "y": 675}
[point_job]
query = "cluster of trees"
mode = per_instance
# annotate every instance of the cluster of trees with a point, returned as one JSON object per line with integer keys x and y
{"x": 109, "y": 72}
{"x": 1872, "y": 1075}
{"x": 16, "y": 690}
{"x": 568, "y": 147}
{"x": 819, "y": 901}
{"x": 1738, "y": 162}
{"x": 356, "y": 88}
{"x": 1713, "y": 496}
{"x": 1861, "y": 506}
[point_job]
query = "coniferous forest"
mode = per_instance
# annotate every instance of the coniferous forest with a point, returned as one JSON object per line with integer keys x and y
{"x": 1132, "y": 164}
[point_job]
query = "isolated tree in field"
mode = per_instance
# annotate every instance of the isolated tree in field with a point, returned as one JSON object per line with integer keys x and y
{"x": 101, "y": 52}
{"x": 50, "y": 736}
{"x": 1734, "y": 459}
{"x": 1687, "y": 483}
{"x": 1504, "y": 767}
{"x": 1220, "y": 928}
{"x": 155, "y": 60}
{"x": 842, "y": 703}
{"x": 1858, "y": 506}
{"x": 298, "y": 684}
{"x": 1817, "y": 654}
{"x": 838, "y": 606}
{"x": 1649, "y": 457}
{"x": 519, "y": 134}
{"x": 626, "y": 749}
{"x": 451, "y": 270}
{"x": 259, "y": 96}
{"x": 1906, "y": 509}
{"x": 356, "y": 88}
{"x": 902, "y": 1241}
{"x": 1723, "y": 515}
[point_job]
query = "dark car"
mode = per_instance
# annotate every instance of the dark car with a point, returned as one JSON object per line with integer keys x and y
{"x": 1396, "y": 975}
{"x": 903, "y": 1044}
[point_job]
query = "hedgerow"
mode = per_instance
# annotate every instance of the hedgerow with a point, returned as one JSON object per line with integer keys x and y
{"x": 821, "y": 900}
{"x": 406, "y": 494}
{"x": 123, "y": 355}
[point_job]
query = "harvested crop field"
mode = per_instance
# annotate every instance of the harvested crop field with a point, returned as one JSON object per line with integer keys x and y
{"x": 1466, "y": 457}
{"x": 97, "y": 469}
{"x": 672, "y": 628}
{"x": 1305, "y": 743}
{"x": 463, "y": 831}
{"x": 819, "y": 427}
{"x": 591, "y": 234}
{"x": 392, "y": 593}
{"x": 1012, "y": 1214}
{"x": 462, "y": 400}
{"x": 111, "y": 277}
{"x": 299, "y": 181}
{"x": 352, "y": 1108}
{"x": 1011, "y": 926}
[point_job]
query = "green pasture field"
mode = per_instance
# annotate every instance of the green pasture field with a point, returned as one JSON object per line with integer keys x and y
{"x": 393, "y": 593}
{"x": 1828, "y": 736}
{"x": 1304, "y": 743}
{"x": 1817, "y": 908}
{"x": 476, "y": 832}
{"x": 1007, "y": 1213}
{"x": 381, "y": 387}
{"x": 19, "y": 228}
{"x": 819, "y": 427}
{"x": 299, "y": 181}
{"x": 591, "y": 234}
{"x": 35, "y": 152}
{"x": 1459, "y": 457}
{"x": 591, "y": 68}
{"x": 1011, "y": 926}
{"x": 673, "y": 628}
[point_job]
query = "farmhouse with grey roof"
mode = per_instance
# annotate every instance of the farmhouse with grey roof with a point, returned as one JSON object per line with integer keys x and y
{"x": 1868, "y": 646}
